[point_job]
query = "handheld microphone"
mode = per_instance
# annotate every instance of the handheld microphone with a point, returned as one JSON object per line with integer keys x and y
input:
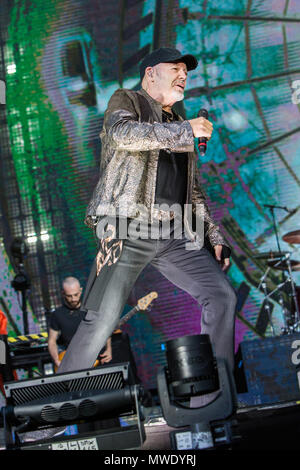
{"x": 202, "y": 141}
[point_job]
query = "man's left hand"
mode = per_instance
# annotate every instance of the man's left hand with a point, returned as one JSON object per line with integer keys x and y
{"x": 106, "y": 356}
{"x": 225, "y": 263}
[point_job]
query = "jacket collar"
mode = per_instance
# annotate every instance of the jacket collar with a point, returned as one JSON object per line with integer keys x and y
{"x": 150, "y": 99}
{"x": 153, "y": 102}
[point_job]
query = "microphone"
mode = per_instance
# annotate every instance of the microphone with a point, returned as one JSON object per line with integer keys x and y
{"x": 202, "y": 141}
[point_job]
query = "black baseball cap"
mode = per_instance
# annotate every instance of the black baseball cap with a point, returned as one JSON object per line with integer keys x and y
{"x": 167, "y": 54}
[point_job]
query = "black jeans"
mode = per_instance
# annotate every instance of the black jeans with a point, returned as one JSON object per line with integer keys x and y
{"x": 194, "y": 271}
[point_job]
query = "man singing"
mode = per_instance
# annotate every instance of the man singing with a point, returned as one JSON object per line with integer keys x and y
{"x": 148, "y": 161}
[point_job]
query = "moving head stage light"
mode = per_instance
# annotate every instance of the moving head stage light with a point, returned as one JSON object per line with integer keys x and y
{"x": 78, "y": 397}
{"x": 193, "y": 371}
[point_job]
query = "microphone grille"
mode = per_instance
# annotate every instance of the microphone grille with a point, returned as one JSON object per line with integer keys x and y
{"x": 203, "y": 113}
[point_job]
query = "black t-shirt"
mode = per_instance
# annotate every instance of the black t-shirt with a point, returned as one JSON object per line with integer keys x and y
{"x": 66, "y": 321}
{"x": 172, "y": 173}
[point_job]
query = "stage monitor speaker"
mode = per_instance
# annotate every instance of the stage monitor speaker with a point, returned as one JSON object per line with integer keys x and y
{"x": 270, "y": 367}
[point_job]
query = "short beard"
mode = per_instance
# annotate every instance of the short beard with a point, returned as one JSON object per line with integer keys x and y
{"x": 73, "y": 306}
{"x": 178, "y": 96}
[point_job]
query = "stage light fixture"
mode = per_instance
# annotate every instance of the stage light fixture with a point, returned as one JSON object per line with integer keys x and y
{"x": 11, "y": 69}
{"x": 45, "y": 236}
{"x": 21, "y": 282}
{"x": 191, "y": 365}
{"x": 32, "y": 238}
{"x": 193, "y": 370}
{"x": 19, "y": 249}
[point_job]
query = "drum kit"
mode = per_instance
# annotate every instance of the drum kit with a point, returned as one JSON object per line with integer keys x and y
{"x": 281, "y": 260}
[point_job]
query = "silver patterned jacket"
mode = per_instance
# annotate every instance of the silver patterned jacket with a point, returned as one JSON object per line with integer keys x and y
{"x": 129, "y": 159}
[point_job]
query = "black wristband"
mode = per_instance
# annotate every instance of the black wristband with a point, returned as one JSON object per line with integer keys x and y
{"x": 226, "y": 252}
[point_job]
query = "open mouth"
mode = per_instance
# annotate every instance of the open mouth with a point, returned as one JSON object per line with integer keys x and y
{"x": 181, "y": 87}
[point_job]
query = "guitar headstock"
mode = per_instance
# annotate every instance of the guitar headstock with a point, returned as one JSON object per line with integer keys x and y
{"x": 144, "y": 302}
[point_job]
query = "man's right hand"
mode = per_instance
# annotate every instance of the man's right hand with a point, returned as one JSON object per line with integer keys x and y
{"x": 201, "y": 127}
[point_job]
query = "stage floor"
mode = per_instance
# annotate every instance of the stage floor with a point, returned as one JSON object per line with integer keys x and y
{"x": 272, "y": 427}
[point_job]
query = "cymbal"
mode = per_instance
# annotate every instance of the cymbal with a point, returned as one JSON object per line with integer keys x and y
{"x": 292, "y": 237}
{"x": 271, "y": 254}
{"x": 283, "y": 265}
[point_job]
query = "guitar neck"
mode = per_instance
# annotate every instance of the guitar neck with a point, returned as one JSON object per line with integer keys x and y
{"x": 128, "y": 315}
{"x": 142, "y": 304}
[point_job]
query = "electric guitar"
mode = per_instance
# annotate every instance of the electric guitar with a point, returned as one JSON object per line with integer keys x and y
{"x": 141, "y": 305}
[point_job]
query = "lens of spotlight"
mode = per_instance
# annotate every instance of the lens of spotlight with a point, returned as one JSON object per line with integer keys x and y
{"x": 191, "y": 366}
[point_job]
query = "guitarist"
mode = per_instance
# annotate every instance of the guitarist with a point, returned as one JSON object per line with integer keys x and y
{"x": 65, "y": 320}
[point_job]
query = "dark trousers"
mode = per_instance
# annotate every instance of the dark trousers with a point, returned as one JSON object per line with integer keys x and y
{"x": 194, "y": 271}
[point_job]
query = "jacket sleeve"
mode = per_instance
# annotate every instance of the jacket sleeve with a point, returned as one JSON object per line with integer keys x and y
{"x": 200, "y": 208}
{"x": 124, "y": 131}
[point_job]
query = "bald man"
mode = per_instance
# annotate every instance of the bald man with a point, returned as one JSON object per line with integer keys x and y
{"x": 65, "y": 320}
